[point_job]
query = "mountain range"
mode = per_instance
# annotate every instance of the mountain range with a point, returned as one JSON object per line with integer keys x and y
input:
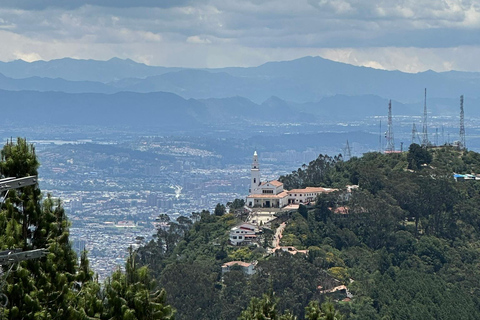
{"x": 302, "y": 80}
{"x": 306, "y": 90}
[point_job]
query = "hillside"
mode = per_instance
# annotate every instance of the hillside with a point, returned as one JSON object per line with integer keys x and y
{"x": 405, "y": 245}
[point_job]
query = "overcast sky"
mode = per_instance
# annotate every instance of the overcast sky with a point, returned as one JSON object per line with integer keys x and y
{"x": 408, "y": 35}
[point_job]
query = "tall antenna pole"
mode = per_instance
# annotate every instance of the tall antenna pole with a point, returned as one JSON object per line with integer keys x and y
{"x": 380, "y": 138}
{"x": 414, "y": 133}
{"x": 389, "y": 135}
{"x": 348, "y": 152}
{"x": 462, "y": 125}
{"x": 425, "y": 131}
{"x": 443, "y": 135}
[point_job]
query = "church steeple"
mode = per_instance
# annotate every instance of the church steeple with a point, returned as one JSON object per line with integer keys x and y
{"x": 255, "y": 174}
{"x": 255, "y": 161}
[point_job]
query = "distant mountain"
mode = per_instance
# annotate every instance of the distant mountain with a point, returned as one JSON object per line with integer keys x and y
{"x": 308, "y": 79}
{"x": 57, "y": 84}
{"x": 304, "y": 80}
{"x": 165, "y": 110}
{"x": 158, "y": 109}
{"x": 81, "y": 70}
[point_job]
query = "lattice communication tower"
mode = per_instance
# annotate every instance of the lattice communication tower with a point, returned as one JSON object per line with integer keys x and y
{"x": 462, "y": 125}
{"x": 389, "y": 134}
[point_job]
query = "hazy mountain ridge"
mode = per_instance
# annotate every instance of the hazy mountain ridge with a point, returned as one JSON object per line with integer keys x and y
{"x": 81, "y": 70}
{"x": 170, "y": 110}
{"x": 303, "y": 80}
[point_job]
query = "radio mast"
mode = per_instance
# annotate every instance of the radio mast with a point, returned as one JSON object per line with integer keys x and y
{"x": 389, "y": 134}
{"x": 425, "y": 142}
{"x": 463, "y": 144}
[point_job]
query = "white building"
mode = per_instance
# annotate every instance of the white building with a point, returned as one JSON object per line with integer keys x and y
{"x": 306, "y": 195}
{"x": 243, "y": 233}
{"x": 270, "y": 194}
{"x": 247, "y": 268}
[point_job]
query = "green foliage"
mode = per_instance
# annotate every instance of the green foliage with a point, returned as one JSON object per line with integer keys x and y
{"x": 55, "y": 287}
{"x": 129, "y": 295}
{"x": 418, "y": 156}
{"x": 219, "y": 209}
{"x": 236, "y": 204}
{"x": 404, "y": 226}
{"x": 406, "y": 249}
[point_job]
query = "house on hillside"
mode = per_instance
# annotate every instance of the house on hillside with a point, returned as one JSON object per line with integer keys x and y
{"x": 243, "y": 234}
{"x": 247, "y": 268}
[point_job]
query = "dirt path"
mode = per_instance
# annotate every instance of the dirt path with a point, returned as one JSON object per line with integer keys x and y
{"x": 278, "y": 235}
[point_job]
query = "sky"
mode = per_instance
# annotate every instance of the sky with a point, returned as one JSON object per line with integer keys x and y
{"x": 406, "y": 35}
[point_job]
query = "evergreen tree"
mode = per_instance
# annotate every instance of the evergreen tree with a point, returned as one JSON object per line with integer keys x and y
{"x": 129, "y": 296}
{"x": 55, "y": 287}
{"x": 40, "y": 288}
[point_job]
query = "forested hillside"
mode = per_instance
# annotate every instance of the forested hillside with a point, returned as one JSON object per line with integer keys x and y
{"x": 405, "y": 243}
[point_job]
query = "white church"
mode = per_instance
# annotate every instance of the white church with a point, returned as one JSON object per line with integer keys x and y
{"x": 270, "y": 194}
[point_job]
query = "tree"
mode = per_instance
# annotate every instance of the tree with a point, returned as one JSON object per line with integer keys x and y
{"x": 40, "y": 288}
{"x": 417, "y": 156}
{"x": 261, "y": 309}
{"x": 236, "y": 204}
{"x": 219, "y": 210}
{"x": 129, "y": 296}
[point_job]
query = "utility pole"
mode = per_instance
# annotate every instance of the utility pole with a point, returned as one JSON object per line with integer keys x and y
{"x": 463, "y": 144}
{"x": 389, "y": 134}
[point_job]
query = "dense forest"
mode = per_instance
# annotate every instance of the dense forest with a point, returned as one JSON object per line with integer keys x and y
{"x": 404, "y": 244}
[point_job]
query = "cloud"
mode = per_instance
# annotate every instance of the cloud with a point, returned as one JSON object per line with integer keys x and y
{"x": 198, "y": 40}
{"x": 74, "y": 4}
{"x": 248, "y": 32}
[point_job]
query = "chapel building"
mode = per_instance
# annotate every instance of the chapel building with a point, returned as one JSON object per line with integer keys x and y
{"x": 271, "y": 194}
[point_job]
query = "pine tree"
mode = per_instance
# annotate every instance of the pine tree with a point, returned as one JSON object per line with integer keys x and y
{"x": 55, "y": 287}
{"x": 129, "y": 295}
{"x": 40, "y": 288}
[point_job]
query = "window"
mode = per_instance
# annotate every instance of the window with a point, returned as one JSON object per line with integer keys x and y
{"x": 234, "y": 237}
{"x": 267, "y": 191}
{"x": 254, "y": 180}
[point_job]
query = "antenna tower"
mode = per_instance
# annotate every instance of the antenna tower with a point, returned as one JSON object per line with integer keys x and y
{"x": 380, "y": 138}
{"x": 414, "y": 132}
{"x": 348, "y": 152}
{"x": 443, "y": 135}
{"x": 462, "y": 125}
{"x": 425, "y": 131}
{"x": 389, "y": 134}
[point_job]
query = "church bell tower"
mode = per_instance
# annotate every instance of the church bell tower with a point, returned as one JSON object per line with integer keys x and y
{"x": 255, "y": 175}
